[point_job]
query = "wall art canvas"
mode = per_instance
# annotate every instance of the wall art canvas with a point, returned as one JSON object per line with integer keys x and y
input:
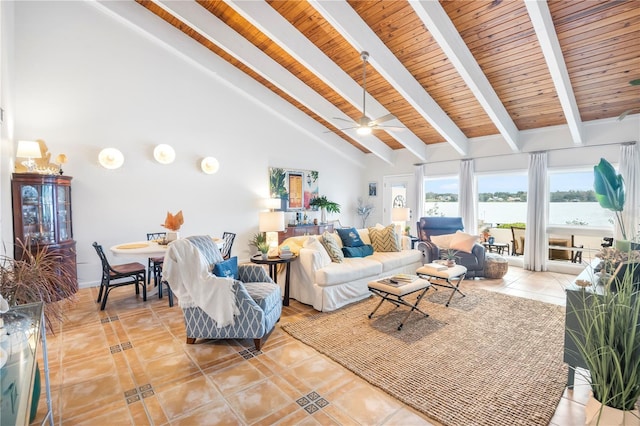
{"x": 296, "y": 188}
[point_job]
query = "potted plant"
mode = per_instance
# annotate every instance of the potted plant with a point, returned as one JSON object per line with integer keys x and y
{"x": 325, "y": 206}
{"x": 259, "y": 241}
{"x": 607, "y": 337}
{"x": 609, "y": 190}
{"x": 450, "y": 255}
{"x": 37, "y": 277}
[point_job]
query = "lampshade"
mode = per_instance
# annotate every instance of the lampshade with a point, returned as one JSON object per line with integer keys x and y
{"x": 273, "y": 203}
{"x": 28, "y": 149}
{"x": 400, "y": 214}
{"x": 164, "y": 154}
{"x": 110, "y": 158}
{"x": 209, "y": 165}
{"x": 271, "y": 221}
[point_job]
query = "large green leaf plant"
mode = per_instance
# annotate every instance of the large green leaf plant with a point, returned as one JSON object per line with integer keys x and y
{"x": 609, "y": 188}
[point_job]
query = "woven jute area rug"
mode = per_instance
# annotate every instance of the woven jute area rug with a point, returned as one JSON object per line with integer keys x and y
{"x": 487, "y": 359}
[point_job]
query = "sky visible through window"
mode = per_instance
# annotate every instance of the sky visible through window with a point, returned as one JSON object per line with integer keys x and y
{"x": 578, "y": 181}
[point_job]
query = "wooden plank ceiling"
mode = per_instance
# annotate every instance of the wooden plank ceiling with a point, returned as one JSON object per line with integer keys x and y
{"x": 447, "y": 71}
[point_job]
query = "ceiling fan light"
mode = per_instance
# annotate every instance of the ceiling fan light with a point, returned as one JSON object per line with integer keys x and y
{"x": 364, "y": 130}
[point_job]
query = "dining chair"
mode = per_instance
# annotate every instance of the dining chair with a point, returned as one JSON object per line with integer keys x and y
{"x": 114, "y": 276}
{"x": 154, "y": 264}
{"x": 227, "y": 238}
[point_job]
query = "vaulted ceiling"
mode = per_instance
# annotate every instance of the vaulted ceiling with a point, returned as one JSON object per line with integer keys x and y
{"x": 447, "y": 71}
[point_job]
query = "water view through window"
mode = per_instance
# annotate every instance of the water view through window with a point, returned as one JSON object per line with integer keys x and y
{"x": 502, "y": 198}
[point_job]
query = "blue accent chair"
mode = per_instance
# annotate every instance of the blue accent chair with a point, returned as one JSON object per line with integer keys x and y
{"x": 257, "y": 296}
{"x": 429, "y": 226}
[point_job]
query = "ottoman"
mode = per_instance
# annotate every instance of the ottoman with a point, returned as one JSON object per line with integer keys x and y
{"x": 496, "y": 266}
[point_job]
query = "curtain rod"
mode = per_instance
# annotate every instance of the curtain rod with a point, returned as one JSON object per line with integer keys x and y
{"x": 531, "y": 152}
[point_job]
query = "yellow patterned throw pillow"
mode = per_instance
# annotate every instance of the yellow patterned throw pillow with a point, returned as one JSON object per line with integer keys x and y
{"x": 385, "y": 239}
{"x": 331, "y": 245}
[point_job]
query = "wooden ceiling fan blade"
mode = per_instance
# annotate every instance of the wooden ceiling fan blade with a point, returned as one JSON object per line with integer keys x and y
{"x": 382, "y": 119}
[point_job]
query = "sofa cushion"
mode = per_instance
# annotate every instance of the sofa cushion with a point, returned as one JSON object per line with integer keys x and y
{"x": 351, "y": 269}
{"x": 227, "y": 268}
{"x": 463, "y": 241}
{"x": 331, "y": 245}
{"x": 323, "y": 258}
{"x": 394, "y": 260}
{"x": 364, "y": 235}
{"x": 385, "y": 239}
{"x": 362, "y": 251}
{"x": 349, "y": 237}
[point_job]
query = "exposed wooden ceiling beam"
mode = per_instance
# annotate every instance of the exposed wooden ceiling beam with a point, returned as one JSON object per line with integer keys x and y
{"x": 219, "y": 33}
{"x": 175, "y": 42}
{"x": 439, "y": 24}
{"x": 267, "y": 20}
{"x": 361, "y": 37}
{"x": 546, "y": 33}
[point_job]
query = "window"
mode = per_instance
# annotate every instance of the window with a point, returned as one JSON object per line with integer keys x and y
{"x": 502, "y": 198}
{"x": 572, "y": 201}
{"x": 441, "y": 196}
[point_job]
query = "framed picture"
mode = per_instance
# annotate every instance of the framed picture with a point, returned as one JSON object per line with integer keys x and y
{"x": 296, "y": 188}
{"x": 373, "y": 189}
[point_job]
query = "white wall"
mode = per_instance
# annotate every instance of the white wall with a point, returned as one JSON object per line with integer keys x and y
{"x": 85, "y": 81}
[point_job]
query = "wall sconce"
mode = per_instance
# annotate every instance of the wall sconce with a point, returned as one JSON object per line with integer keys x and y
{"x": 164, "y": 154}
{"x": 400, "y": 216}
{"x": 28, "y": 150}
{"x": 209, "y": 165}
{"x": 110, "y": 158}
{"x": 271, "y": 223}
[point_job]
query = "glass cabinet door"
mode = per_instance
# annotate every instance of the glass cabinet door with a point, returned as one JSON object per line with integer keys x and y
{"x": 38, "y": 213}
{"x": 64, "y": 212}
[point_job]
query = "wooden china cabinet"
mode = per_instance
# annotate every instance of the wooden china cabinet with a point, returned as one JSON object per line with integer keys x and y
{"x": 42, "y": 217}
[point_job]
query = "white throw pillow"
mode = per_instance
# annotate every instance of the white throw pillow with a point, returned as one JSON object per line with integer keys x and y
{"x": 442, "y": 241}
{"x": 364, "y": 235}
{"x": 463, "y": 241}
{"x": 312, "y": 243}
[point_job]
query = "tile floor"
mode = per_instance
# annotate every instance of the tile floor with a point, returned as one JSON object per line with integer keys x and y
{"x": 130, "y": 364}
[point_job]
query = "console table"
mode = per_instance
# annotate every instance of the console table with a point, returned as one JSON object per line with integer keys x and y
{"x": 296, "y": 231}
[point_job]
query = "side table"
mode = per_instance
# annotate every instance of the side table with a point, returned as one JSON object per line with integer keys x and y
{"x": 273, "y": 263}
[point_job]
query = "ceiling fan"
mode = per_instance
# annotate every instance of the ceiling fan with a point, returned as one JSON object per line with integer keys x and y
{"x": 365, "y": 125}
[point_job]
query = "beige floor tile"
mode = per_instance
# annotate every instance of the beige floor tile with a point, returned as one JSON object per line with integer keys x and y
{"x": 258, "y": 401}
{"x": 318, "y": 370}
{"x": 365, "y": 404}
{"x": 290, "y": 353}
{"x": 237, "y": 377}
{"x": 408, "y": 417}
{"x": 187, "y": 396}
{"x": 216, "y": 413}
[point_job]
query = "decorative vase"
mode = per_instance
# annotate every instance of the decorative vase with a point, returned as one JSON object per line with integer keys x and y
{"x": 451, "y": 263}
{"x": 172, "y": 236}
{"x": 265, "y": 256}
{"x": 323, "y": 215}
{"x": 598, "y": 414}
{"x": 491, "y": 240}
{"x": 623, "y": 245}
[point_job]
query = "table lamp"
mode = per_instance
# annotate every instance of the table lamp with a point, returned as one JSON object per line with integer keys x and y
{"x": 28, "y": 150}
{"x": 271, "y": 223}
{"x": 400, "y": 216}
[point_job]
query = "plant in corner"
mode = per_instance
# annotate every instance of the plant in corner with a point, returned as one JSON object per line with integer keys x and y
{"x": 37, "y": 277}
{"x": 325, "y": 206}
{"x": 609, "y": 189}
{"x": 607, "y": 337}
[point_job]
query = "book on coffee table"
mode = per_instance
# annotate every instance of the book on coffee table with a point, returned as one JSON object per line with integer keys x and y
{"x": 436, "y": 266}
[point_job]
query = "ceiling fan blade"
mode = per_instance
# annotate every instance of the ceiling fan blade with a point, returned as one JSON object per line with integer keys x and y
{"x": 342, "y": 119}
{"x": 344, "y": 128}
{"x": 382, "y": 119}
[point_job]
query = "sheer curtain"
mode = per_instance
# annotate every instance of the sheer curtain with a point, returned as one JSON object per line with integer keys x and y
{"x": 535, "y": 240}
{"x": 467, "y": 201}
{"x": 630, "y": 171}
{"x": 419, "y": 191}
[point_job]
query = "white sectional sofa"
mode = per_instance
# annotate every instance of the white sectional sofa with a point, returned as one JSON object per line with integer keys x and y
{"x": 316, "y": 280}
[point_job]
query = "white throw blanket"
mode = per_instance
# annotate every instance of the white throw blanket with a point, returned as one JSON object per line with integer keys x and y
{"x": 187, "y": 272}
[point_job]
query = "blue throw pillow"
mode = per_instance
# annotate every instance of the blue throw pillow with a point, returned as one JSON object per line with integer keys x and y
{"x": 227, "y": 268}
{"x": 362, "y": 251}
{"x": 350, "y": 237}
